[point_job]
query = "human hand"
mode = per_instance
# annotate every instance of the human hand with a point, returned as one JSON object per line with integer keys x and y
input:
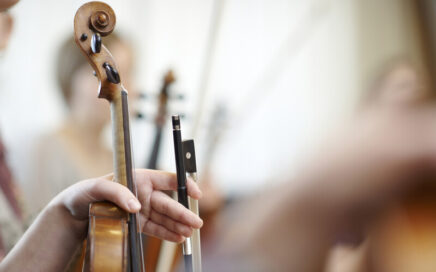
{"x": 160, "y": 215}
{"x": 382, "y": 156}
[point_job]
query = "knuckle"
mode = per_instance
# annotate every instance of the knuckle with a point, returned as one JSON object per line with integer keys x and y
{"x": 165, "y": 207}
{"x": 182, "y": 217}
{"x": 175, "y": 226}
{"x": 149, "y": 227}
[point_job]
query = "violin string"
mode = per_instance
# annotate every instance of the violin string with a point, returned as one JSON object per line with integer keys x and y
{"x": 135, "y": 188}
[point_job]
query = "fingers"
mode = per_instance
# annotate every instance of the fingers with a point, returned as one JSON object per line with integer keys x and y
{"x": 162, "y": 180}
{"x": 164, "y": 211}
{"x": 161, "y": 232}
{"x": 170, "y": 224}
{"x": 163, "y": 204}
{"x": 102, "y": 189}
{"x": 193, "y": 189}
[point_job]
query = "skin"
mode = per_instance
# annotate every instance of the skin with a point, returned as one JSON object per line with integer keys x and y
{"x": 61, "y": 227}
{"x": 403, "y": 85}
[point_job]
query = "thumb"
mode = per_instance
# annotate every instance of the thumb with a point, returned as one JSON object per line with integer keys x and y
{"x": 105, "y": 190}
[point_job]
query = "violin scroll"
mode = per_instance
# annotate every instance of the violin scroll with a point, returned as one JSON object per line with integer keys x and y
{"x": 103, "y": 21}
{"x": 93, "y": 21}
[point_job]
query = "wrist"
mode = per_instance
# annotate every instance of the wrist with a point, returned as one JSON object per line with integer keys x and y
{"x": 58, "y": 212}
{"x": 54, "y": 235}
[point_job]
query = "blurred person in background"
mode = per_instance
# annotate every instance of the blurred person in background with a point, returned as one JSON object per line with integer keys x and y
{"x": 62, "y": 225}
{"x": 77, "y": 149}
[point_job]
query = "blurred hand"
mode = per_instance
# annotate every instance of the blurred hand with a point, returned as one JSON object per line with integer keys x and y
{"x": 160, "y": 215}
{"x": 380, "y": 157}
{"x": 350, "y": 179}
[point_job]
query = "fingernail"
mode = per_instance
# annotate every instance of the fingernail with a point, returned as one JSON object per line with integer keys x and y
{"x": 134, "y": 205}
{"x": 199, "y": 223}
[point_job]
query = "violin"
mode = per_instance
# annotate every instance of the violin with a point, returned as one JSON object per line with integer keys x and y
{"x": 160, "y": 119}
{"x": 152, "y": 245}
{"x": 113, "y": 241}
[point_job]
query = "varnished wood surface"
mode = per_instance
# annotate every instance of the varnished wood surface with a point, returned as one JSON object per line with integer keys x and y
{"x": 81, "y": 28}
{"x": 107, "y": 237}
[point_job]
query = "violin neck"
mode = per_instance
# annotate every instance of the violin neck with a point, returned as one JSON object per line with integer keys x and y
{"x": 121, "y": 139}
{"x": 159, "y": 124}
{"x": 154, "y": 155}
{"x": 124, "y": 171}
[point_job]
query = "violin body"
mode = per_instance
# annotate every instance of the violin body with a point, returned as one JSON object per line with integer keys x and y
{"x": 107, "y": 238}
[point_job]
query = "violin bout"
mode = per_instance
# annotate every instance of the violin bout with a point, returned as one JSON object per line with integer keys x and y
{"x": 107, "y": 238}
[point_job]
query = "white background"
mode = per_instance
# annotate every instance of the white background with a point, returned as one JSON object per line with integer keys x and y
{"x": 287, "y": 71}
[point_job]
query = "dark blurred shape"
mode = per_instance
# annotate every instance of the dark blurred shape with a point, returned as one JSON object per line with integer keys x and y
{"x": 160, "y": 118}
{"x": 189, "y": 151}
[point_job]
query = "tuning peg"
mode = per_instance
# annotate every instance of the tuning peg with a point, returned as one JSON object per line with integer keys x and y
{"x": 140, "y": 115}
{"x": 96, "y": 43}
{"x": 142, "y": 95}
{"x": 112, "y": 73}
{"x": 83, "y": 37}
{"x": 178, "y": 97}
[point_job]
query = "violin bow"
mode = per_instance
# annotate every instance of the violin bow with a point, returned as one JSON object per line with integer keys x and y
{"x": 182, "y": 190}
{"x": 188, "y": 148}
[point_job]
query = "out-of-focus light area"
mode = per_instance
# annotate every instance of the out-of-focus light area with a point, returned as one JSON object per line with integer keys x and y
{"x": 283, "y": 73}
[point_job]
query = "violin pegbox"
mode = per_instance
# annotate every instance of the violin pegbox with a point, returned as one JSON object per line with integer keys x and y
{"x": 93, "y": 21}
